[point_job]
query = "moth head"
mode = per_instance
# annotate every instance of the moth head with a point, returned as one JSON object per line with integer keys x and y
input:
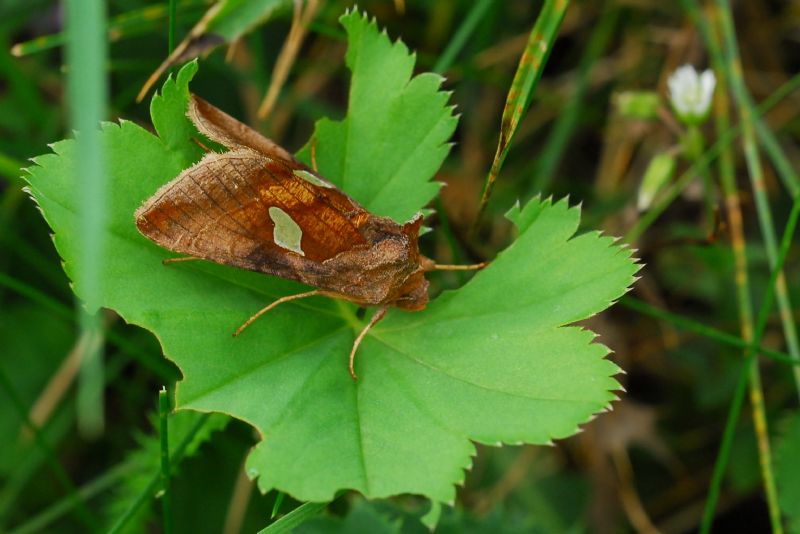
{"x": 414, "y": 293}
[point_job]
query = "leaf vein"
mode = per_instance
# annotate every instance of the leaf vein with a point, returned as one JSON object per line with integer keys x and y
{"x": 471, "y": 383}
{"x": 263, "y": 365}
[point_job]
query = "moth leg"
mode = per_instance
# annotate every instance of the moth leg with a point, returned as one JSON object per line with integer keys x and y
{"x": 281, "y": 300}
{"x": 167, "y": 261}
{"x": 380, "y": 314}
{"x": 201, "y": 145}
{"x": 473, "y": 267}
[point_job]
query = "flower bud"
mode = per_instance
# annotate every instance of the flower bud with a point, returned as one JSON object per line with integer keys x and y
{"x": 656, "y": 178}
{"x": 642, "y": 105}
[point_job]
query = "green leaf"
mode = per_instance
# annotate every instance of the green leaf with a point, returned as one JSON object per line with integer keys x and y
{"x": 168, "y": 111}
{"x": 493, "y": 362}
{"x": 235, "y": 18}
{"x": 787, "y": 471}
{"x": 432, "y": 516}
{"x": 395, "y": 135}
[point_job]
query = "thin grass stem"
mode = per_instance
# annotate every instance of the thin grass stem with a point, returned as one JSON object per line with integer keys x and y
{"x": 462, "y": 35}
{"x": 166, "y": 497}
{"x": 731, "y": 62}
{"x": 736, "y": 226}
{"x": 721, "y": 463}
{"x": 276, "y": 506}
{"x": 750, "y": 124}
{"x": 295, "y": 518}
{"x": 704, "y": 330}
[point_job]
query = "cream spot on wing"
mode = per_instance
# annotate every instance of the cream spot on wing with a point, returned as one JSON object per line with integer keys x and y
{"x": 312, "y": 179}
{"x": 287, "y": 233}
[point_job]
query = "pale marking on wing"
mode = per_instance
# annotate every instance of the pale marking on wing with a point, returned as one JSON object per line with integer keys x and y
{"x": 312, "y": 179}
{"x": 287, "y": 233}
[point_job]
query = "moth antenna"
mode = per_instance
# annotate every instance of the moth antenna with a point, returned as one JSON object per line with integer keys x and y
{"x": 380, "y": 314}
{"x": 201, "y": 145}
{"x": 167, "y": 261}
{"x": 473, "y": 267}
{"x": 281, "y": 300}
{"x": 314, "y": 153}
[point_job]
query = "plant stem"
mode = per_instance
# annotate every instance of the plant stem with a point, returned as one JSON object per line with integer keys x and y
{"x": 166, "y": 497}
{"x": 733, "y": 73}
{"x": 704, "y": 330}
{"x": 732, "y": 68}
{"x": 462, "y": 35}
{"x": 736, "y": 404}
{"x": 726, "y": 69}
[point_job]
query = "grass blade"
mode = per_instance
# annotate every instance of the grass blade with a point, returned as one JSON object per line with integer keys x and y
{"x": 529, "y": 71}
{"x": 462, "y": 35}
{"x": 87, "y": 96}
{"x": 295, "y": 518}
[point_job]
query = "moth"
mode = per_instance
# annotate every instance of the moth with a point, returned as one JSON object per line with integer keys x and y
{"x": 257, "y": 207}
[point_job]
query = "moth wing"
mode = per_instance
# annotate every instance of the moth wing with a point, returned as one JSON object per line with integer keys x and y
{"x": 243, "y": 209}
{"x": 227, "y": 131}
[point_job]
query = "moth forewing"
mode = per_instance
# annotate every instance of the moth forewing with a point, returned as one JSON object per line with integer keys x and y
{"x": 229, "y": 132}
{"x": 257, "y": 208}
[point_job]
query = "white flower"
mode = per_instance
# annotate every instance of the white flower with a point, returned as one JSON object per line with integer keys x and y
{"x": 691, "y": 93}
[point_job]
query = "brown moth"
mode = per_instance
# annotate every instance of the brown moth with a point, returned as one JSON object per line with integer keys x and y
{"x": 258, "y": 208}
